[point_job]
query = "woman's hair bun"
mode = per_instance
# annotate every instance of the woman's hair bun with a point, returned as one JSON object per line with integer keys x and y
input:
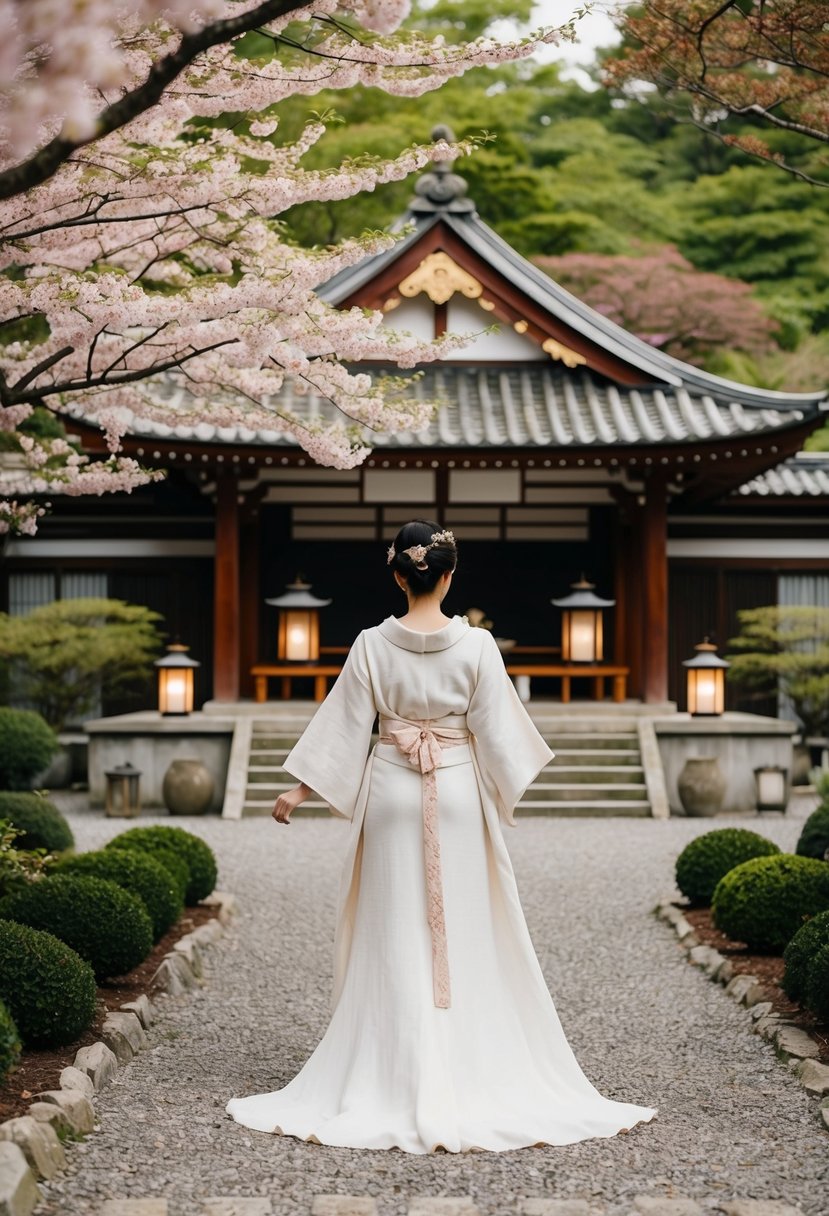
{"x": 422, "y": 568}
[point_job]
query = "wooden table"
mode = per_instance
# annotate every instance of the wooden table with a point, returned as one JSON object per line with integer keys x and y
{"x": 597, "y": 672}
{"x": 287, "y": 671}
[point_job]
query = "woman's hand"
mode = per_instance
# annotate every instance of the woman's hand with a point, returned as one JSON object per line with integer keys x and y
{"x": 286, "y": 803}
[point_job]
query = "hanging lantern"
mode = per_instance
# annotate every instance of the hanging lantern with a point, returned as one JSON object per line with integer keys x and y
{"x": 122, "y": 791}
{"x": 581, "y": 624}
{"x": 772, "y": 787}
{"x": 175, "y": 680}
{"x": 299, "y": 630}
{"x": 706, "y": 681}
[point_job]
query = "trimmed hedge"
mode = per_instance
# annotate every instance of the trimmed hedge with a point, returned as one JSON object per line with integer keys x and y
{"x": 704, "y": 861}
{"x": 48, "y": 988}
{"x": 814, "y": 836}
{"x": 106, "y": 925}
{"x": 763, "y": 902}
{"x": 817, "y": 984}
{"x": 172, "y": 862}
{"x": 43, "y": 824}
{"x": 27, "y": 744}
{"x": 139, "y": 873}
{"x": 194, "y": 852}
{"x": 10, "y": 1045}
{"x": 799, "y": 953}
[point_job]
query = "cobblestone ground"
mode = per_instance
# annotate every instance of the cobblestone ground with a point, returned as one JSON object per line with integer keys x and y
{"x": 646, "y": 1026}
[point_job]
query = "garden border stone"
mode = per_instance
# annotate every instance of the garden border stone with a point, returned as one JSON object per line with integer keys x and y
{"x": 29, "y": 1144}
{"x": 793, "y": 1045}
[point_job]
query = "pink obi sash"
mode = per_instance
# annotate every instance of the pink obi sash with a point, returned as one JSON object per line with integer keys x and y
{"x": 422, "y": 743}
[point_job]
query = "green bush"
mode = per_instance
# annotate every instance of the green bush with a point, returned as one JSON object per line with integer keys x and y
{"x": 139, "y": 873}
{"x": 10, "y": 1045}
{"x": 42, "y": 824}
{"x": 703, "y": 862}
{"x": 816, "y": 997}
{"x": 106, "y": 925}
{"x": 814, "y": 836}
{"x": 27, "y": 745}
{"x": 800, "y": 951}
{"x": 764, "y": 901}
{"x": 48, "y": 988}
{"x": 194, "y": 852}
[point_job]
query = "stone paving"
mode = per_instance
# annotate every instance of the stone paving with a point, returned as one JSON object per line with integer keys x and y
{"x": 734, "y": 1127}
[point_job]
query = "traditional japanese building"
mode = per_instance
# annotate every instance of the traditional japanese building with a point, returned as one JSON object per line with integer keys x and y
{"x": 563, "y": 445}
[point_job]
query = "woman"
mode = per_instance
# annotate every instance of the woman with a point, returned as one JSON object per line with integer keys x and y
{"x": 443, "y": 1032}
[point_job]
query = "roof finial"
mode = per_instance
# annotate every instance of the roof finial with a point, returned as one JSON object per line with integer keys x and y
{"x": 439, "y": 189}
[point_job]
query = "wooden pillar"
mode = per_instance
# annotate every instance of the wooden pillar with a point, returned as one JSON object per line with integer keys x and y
{"x": 620, "y": 615}
{"x": 226, "y": 615}
{"x": 250, "y": 601}
{"x": 654, "y": 536}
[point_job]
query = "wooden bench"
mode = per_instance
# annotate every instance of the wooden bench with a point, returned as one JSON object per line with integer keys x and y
{"x": 287, "y": 672}
{"x": 597, "y": 672}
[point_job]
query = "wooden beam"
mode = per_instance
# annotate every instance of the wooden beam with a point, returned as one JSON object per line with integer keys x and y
{"x": 654, "y": 544}
{"x": 226, "y": 613}
{"x": 249, "y": 565}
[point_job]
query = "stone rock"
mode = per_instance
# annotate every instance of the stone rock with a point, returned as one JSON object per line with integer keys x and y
{"x": 682, "y": 928}
{"x": 768, "y": 1026}
{"x": 441, "y": 1205}
{"x": 761, "y": 1009}
{"x": 189, "y": 948}
{"x": 19, "y": 1192}
{"x": 39, "y": 1142}
{"x": 759, "y": 1207}
{"x": 99, "y": 1063}
{"x": 226, "y": 903}
{"x": 792, "y": 1041}
{"x": 78, "y": 1108}
{"x": 209, "y": 933}
{"x": 47, "y": 1112}
{"x": 824, "y": 1112}
{"x": 133, "y": 1207}
{"x": 74, "y": 1078}
{"x": 123, "y": 1034}
{"x": 555, "y": 1207}
{"x": 344, "y": 1205}
{"x": 658, "y": 1205}
{"x": 814, "y": 1076}
{"x": 671, "y": 913}
{"x": 174, "y": 974}
{"x": 745, "y": 989}
{"x": 142, "y": 1008}
{"x": 700, "y": 956}
{"x": 235, "y": 1205}
{"x": 724, "y": 972}
{"x": 715, "y": 961}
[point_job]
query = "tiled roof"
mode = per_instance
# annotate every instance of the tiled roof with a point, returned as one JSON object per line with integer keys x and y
{"x": 534, "y": 405}
{"x": 805, "y": 475}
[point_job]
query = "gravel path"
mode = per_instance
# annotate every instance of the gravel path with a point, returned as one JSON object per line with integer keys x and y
{"x": 646, "y": 1027}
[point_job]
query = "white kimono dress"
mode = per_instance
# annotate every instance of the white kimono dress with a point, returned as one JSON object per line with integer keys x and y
{"x": 443, "y": 1033}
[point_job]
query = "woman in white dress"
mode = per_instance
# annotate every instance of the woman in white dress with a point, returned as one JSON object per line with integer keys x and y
{"x": 443, "y": 1033}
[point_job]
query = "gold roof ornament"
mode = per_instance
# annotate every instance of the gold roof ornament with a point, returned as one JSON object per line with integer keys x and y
{"x": 556, "y": 350}
{"x": 440, "y": 277}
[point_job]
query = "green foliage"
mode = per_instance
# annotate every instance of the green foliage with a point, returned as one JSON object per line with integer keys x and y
{"x": 105, "y": 924}
{"x": 41, "y": 424}
{"x": 18, "y": 866}
{"x": 139, "y": 873}
{"x": 65, "y": 652}
{"x": 168, "y": 858}
{"x": 193, "y": 851}
{"x": 800, "y": 951}
{"x": 27, "y": 744}
{"x": 48, "y": 988}
{"x": 10, "y": 1045}
{"x": 786, "y": 648}
{"x": 816, "y": 996}
{"x": 40, "y": 821}
{"x": 704, "y": 861}
{"x": 764, "y": 901}
{"x": 814, "y": 835}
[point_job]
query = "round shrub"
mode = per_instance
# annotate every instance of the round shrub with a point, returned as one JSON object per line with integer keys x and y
{"x": 48, "y": 988}
{"x": 27, "y": 744}
{"x": 10, "y": 1045}
{"x": 106, "y": 925}
{"x": 800, "y": 951}
{"x": 816, "y": 997}
{"x": 814, "y": 836}
{"x": 703, "y": 862}
{"x": 194, "y": 852}
{"x": 41, "y": 821}
{"x": 764, "y": 901}
{"x": 139, "y": 873}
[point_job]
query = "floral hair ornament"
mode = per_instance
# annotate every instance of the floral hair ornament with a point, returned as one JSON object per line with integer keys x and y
{"x": 418, "y": 552}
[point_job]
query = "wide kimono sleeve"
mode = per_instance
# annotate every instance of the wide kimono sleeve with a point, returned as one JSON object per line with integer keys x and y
{"x": 330, "y": 755}
{"x": 508, "y": 747}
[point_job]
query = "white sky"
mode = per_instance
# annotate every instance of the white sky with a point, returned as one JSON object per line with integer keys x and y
{"x": 594, "y": 30}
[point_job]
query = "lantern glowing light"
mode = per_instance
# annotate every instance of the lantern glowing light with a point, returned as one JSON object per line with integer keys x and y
{"x": 175, "y": 680}
{"x": 582, "y": 632}
{"x": 706, "y": 681}
{"x": 298, "y": 639}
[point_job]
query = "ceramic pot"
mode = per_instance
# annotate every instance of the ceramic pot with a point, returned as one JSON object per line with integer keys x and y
{"x": 701, "y": 786}
{"x": 187, "y": 788}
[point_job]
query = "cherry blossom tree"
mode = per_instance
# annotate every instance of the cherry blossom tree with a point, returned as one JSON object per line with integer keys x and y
{"x": 663, "y": 299}
{"x": 146, "y": 274}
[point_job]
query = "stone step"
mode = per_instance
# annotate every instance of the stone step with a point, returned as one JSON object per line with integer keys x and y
{"x": 594, "y": 809}
{"x": 560, "y": 741}
{"x": 252, "y": 808}
{"x": 595, "y": 756}
{"x": 598, "y": 774}
{"x": 282, "y": 743}
{"x": 569, "y": 792}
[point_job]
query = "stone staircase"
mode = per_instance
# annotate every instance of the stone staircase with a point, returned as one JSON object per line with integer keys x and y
{"x": 603, "y": 766}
